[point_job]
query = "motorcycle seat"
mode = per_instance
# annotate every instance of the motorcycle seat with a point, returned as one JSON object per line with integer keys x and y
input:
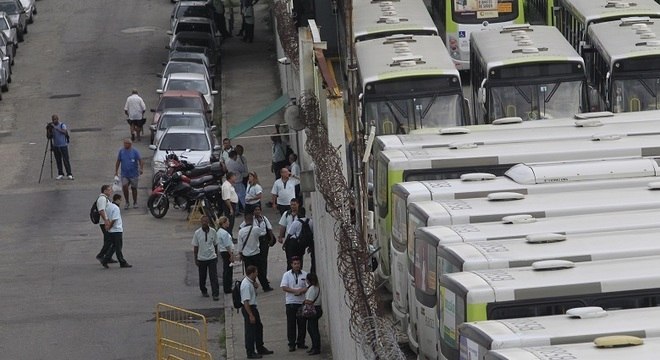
{"x": 197, "y": 182}
{"x": 198, "y": 171}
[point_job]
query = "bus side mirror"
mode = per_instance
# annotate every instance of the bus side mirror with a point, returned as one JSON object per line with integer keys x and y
{"x": 481, "y": 96}
{"x": 466, "y": 111}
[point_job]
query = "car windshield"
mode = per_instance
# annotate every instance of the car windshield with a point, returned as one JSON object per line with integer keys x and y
{"x": 198, "y": 27}
{"x": 193, "y": 11}
{"x": 192, "y": 41}
{"x": 4, "y": 25}
{"x": 194, "y": 121}
{"x": 184, "y": 67}
{"x": 197, "y": 85}
{"x": 185, "y": 141}
{"x": 9, "y": 7}
{"x": 179, "y": 102}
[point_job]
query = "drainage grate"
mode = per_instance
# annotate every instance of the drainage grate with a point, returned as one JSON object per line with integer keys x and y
{"x": 85, "y": 130}
{"x": 64, "y": 96}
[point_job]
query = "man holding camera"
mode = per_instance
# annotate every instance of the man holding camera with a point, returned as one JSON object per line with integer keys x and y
{"x": 59, "y": 136}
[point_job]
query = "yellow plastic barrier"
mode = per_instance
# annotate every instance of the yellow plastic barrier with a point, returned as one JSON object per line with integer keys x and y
{"x": 180, "y": 333}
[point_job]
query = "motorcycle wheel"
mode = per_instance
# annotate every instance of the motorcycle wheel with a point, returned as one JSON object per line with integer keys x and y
{"x": 158, "y": 205}
{"x": 156, "y": 178}
{"x": 210, "y": 212}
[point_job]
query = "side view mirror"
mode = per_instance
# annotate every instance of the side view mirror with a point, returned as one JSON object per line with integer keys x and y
{"x": 5, "y": 58}
{"x": 217, "y": 147}
{"x": 213, "y": 127}
{"x": 152, "y": 127}
{"x": 168, "y": 47}
{"x": 159, "y": 91}
{"x": 214, "y": 92}
{"x": 152, "y": 110}
{"x": 209, "y": 111}
{"x": 164, "y": 63}
{"x": 169, "y": 32}
{"x": 159, "y": 75}
{"x": 152, "y": 147}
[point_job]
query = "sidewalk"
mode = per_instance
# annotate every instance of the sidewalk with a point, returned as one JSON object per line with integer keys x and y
{"x": 250, "y": 82}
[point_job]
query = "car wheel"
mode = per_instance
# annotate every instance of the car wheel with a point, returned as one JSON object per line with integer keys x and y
{"x": 5, "y": 88}
{"x": 25, "y": 30}
{"x": 34, "y": 12}
{"x": 9, "y": 79}
{"x": 152, "y": 137}
{"x": 20, "y": 36}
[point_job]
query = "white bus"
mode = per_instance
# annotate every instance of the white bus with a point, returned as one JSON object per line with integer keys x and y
{"x": 574, "y": 17}
{"x": 521, "y": 178}
{"x": 578, "y": 325}
{"x": 527, "y": 71}
{"x": 407, "y": 83}
{"x": 545, "y": 288}
{"x": 395, "y": 166}
{"x": 626, "y": 64}
{"x": 380, "y": 19}
{"x": 637, "y": 349}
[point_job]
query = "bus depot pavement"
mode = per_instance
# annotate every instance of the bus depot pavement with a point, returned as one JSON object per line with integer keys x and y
{"x": 250, "y": 82}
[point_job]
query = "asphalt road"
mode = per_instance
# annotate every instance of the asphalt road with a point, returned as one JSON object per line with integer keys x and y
{"x": 80, "y": 60}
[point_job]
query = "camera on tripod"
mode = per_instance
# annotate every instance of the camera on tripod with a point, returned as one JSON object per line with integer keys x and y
{"x": 49, "y": 130}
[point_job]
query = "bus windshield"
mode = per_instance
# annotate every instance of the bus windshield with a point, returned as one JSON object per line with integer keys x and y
{"x": 635, "y": 94}
{"x": 478, "y": 11}
{"x": 400, "y": 116}
{"x": 535, "y": 102}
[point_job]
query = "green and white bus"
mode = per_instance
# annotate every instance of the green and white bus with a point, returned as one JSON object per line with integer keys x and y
{"x": 527, "y": 71}
{"x": 408, "y": 83}
{"x": 626, "y": 64}
{"x": 540, "y": 12}
{"x": 458, "y": 19}
{"x": 624, "y": 348}
{"x": 545, "y": 288}
{"x": 381, "y": 19}
{"x": 578, "y": 325}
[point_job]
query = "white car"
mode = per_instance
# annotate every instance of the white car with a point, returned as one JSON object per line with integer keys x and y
{"x": 196, "y": 146}
{"x": 190, "y": 81}
{"x": 179, "y": 117}
{"x": 30, "y": 9}
{"x": 9, "y": 29}
{"x": 185, "y": 67}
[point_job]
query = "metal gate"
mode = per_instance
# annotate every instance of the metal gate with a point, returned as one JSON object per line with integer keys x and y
{"x": 180, "y": 334}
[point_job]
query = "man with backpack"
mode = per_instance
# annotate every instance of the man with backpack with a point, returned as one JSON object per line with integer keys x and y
{"x": 296, "y": 233}
{"x": 102, "y": 202}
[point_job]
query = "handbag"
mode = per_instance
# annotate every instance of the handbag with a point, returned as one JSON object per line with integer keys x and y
{"x": 308, "y": 311}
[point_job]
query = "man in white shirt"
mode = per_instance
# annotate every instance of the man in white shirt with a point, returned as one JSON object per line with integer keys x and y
{"x": 294, "y": 284}
{"x": 248, "y": 242}
{"x": 230, "y": 199}
{"x": 283, "y": 191}
{"x": 226, "y": 148}
{"x": 134, "y": 109}
{"x": 237, "y": 168}
{"x": 254, "y": 329}
{"x": 101, "y": 203}
{"x": 115, "y": 229}
{"x": 294, "y": 169}
{"x": 205, "y": 248}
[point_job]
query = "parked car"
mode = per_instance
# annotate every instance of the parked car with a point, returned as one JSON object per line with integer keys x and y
{"x": 195, "y": 57}
{"x": 179, "y": 117}
{"x": 196, "y": 146}
{"x": 17, "y": 14}
{"x": 9, "y": 30}
{"x": 190, "y": 9}
{"x": 7, "y": 48}
{"x": 5, "y": 75}
{"x": 30, "y": 9}
{"x": 190, "y": 81}
{"x": 185, "y": 67}
{"x": 177, "y": 99}
{"x": 196, "y": 24}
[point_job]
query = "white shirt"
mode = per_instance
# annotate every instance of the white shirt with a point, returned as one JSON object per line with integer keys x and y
{"x": 225, "y": 154}
{"x": 228, "y": 192}
{"x": 236, "y": 167}
{"x": 248, "y": 292}
{"x": 250, "y": 246}
{"x": 206, "y": 243}
{"x": 241, "y": 159}
{"x": 101, "y": 205}
{"x": 135, "y": 107}
{"x": 294, "y": 281}
{"x": 284, "y": 191}
{"x": 295, "y": 173}
{"x": 295, "y": 227}
{"x": 313, "y": 292}
{"x": 252, "y": 192}
{"x": 112, "y": 212}
{"x": 225, "y": 242}
{"x": 286, "y": 220}
{"x": 279, "y": 152}
{"x": 258, "y": 222}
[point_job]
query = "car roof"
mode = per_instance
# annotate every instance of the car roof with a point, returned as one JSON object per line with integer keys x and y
{"x": 193, "y": 3}
{"x": 183, "y": 111}
{"x": 182, "y": 93}
{"x": 185, "y": 63}
{"x": 187, "y": 76}
{"x": 193, "y": 34}
{"x": 184, "y": 130}
{"x": 193, "y": 19}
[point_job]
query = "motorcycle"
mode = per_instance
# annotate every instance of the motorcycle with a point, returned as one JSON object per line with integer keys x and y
{"x": 193, "y": 174}
{"x": 177, "y": 188}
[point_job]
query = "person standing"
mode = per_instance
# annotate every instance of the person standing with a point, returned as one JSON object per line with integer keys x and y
{"x": 226, "y": 148}
{"x": 244, "y": 175}
{"x": 286, "y": 233}
{"x": 253, "y": 193}
{"x": 264, "y": 248}
{"x": 254, "y": 329}
{"x": 219, "y": 17}
{"x": 284, "y": 190}
{"x": 226, "y": 249}
{"x": 230, "y": 199}
{"x": 248, "y": 21}
{"x": 134, "y": 109}
{"x": 115, "y": 230}
{"x": 236, "y": 167}
{"x": 294, "y": 284}
{"x": 60, "y": 147}
{"x": 205, "y": 248}
{"x": 313, "y": 297}
{"x": 131, "y": 168}
{"x": 248, "y": 240}
{"x": 101, "y": 204}
{"x": 279, "y": 155}
{"x": 294, "y": 169}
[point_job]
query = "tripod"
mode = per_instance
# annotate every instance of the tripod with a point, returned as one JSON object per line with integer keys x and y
{"x": 49, "y": 145}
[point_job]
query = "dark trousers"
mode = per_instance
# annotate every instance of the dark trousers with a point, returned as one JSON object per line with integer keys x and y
{"x": 116, "y": 240}
{"x": 221, "y": 24}
{"x": 264, "y": 248}
{"x": 249, "y": 33}
{"x": 232, "y": 218}
{"x": 258, "y": 261}
{"x": 313, "y": 329}
{"x": 107, "y": 244}
{"x": 227, "y": 272}
{"x": 312, "y": 269}
{"x": 210, "y": 266}
{"x": 294, "y": 323}
{"x": 62, "y": 156}
{"x": 249, "y": 208}
{"x": 283, "y": 208}
{"x": 277, "y": 166}
{"x": 254, "y": 333}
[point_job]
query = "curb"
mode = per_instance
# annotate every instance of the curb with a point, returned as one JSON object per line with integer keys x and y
{"x": 229, "y": 328}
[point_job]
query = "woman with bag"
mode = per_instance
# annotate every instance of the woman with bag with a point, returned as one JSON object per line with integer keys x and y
{"x": 253, "y": 193}
{"x": 313, "y": 301}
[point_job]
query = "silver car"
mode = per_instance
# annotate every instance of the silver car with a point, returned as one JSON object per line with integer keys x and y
{"x": 185, "y": 67}
{"x": 179, "y": 117}
{"x": 196, "y": 146}
{"x": 5, "y": 75}
{"x": 14, "y": 9}
{"x": 8, "y": 29}
{"x": 190, "y": 81}
{"x": 30, "y": 9}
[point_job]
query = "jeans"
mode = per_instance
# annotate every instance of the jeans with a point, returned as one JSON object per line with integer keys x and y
{"x": 313, "y": 329}
{"x": 258, "y": 261}
{"x": 254, "y": 333}
{"x": 116, "y": 239}
{"x": 210, "y": 266}
{"x": 232, "y": 218}
{"x": 62, "y": 155}
{"x": 227, "y": 272}
{"x": 107, "y": 243}
{"x": 240, "y": 191}
{"x": 292, "y": 323}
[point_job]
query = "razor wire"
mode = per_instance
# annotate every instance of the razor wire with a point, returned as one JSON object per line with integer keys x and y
{"x": 374, "y": 334}
{"x": 287, "y": 30}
